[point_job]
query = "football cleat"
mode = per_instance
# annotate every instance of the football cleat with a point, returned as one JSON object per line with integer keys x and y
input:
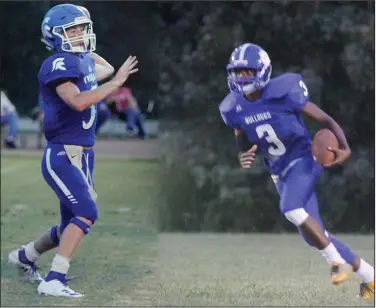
{"x": 367, "y": 290}
{"x": 29, "y": 272}
{"x": 56, "y": 288}
{"x": 340, "y": 272}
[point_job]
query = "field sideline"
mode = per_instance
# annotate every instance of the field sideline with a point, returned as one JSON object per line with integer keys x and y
{"x": 125, "y": 262}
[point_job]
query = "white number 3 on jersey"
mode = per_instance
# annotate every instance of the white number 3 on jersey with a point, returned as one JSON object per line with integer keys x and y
{"x": 276, "y": 148}
{"x": 93, "y": 112}
{"x": 87, "y": 125}
{"x": 304, "y": 87}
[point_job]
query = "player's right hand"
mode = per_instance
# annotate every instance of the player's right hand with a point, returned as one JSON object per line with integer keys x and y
{"x": 125, "y": 70}
{"x": 246, "y": 158}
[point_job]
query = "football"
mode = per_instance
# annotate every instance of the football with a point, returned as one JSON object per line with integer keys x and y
{"x": 323, "y": 139}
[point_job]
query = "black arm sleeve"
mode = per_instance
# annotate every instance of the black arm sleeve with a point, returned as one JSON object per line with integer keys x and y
{"x": 242, "y": 142}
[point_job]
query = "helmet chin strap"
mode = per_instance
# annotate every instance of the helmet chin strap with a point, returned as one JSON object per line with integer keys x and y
{"x": 48, "y": 45}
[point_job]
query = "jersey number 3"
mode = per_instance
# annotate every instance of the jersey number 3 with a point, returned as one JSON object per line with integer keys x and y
{"x": 93, "y": 112}
{"x": 276, "y": 146}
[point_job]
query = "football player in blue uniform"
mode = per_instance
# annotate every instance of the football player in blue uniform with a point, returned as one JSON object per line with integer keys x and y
{"x": 103, "y": 112}
{"x": 266, "y": 116}
{"x": 68, "y": 84}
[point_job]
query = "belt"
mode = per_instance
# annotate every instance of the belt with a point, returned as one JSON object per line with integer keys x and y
{"x": 284, "y": 171}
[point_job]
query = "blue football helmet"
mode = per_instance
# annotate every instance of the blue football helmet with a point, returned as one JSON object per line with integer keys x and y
{"x": 252, "y": 57}
{"x": 54, "y": 29}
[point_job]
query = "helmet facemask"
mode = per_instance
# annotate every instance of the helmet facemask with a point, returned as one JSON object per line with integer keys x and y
{"x": 81, "y": 43}
{"x": 244, "y": 83}
{"x": 248, "y": 84}
{"x": 254, "y": 60}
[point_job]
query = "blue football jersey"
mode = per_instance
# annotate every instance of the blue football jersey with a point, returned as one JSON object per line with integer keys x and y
{"x": 273, "y": 122}
{"x": 63, "y": 124}
{"x": 40, "y": 101}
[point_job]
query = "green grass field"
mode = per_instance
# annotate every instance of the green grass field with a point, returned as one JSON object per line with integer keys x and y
{"x": 111, "y": 260}
{"x": 124, "y": 262}
{"x": 252, "y": 270}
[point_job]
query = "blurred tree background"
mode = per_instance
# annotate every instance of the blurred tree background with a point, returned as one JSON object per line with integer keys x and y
{"x": 330, "y": 43}
{"x": 183, "y": 48}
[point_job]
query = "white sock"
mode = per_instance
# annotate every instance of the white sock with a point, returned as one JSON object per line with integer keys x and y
{"x": 60, "y": 264}
{"x": 366, "y": 272}
{"x": 31, "y": 254}
{"x": 331, "y": 254}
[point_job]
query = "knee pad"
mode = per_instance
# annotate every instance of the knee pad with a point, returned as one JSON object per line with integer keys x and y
{"x": 54, "y": 235}
{"x": 81, "y": 224}
{"x": 91, "y": 214}
{"x": 297, "y": 216}
{"x": 88, "y": 210}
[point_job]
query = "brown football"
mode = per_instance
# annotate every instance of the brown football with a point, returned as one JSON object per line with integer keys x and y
{"x": 323, "y": 139}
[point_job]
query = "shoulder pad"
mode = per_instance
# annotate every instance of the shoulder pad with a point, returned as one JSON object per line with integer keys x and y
{"x": 228, "y": 111}
{"x": 60, "y": 61}
{"x": 280, "y": 86}
{"x": 59, "y": 65}
{"x": 228, "y": 103}
{"x": 88, "y": 57}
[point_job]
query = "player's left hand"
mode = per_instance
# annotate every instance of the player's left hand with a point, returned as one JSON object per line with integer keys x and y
{"x": 340, "y": 156}
{"x": 127, "y": 69}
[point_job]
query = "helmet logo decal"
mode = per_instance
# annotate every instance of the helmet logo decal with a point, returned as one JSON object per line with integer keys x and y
{"x": 240, "y": 62}
{"x": 77, "y": 19}
{"x": 46, "y": 28}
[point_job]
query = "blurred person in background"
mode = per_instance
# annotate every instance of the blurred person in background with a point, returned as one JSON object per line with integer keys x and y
{"x": 125, "y": 103}
{"x": 37, "y": 115}
{"x": 40, "y": 121}
{"x": 103, "y": 114}
{"x": 9, "y": 117}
